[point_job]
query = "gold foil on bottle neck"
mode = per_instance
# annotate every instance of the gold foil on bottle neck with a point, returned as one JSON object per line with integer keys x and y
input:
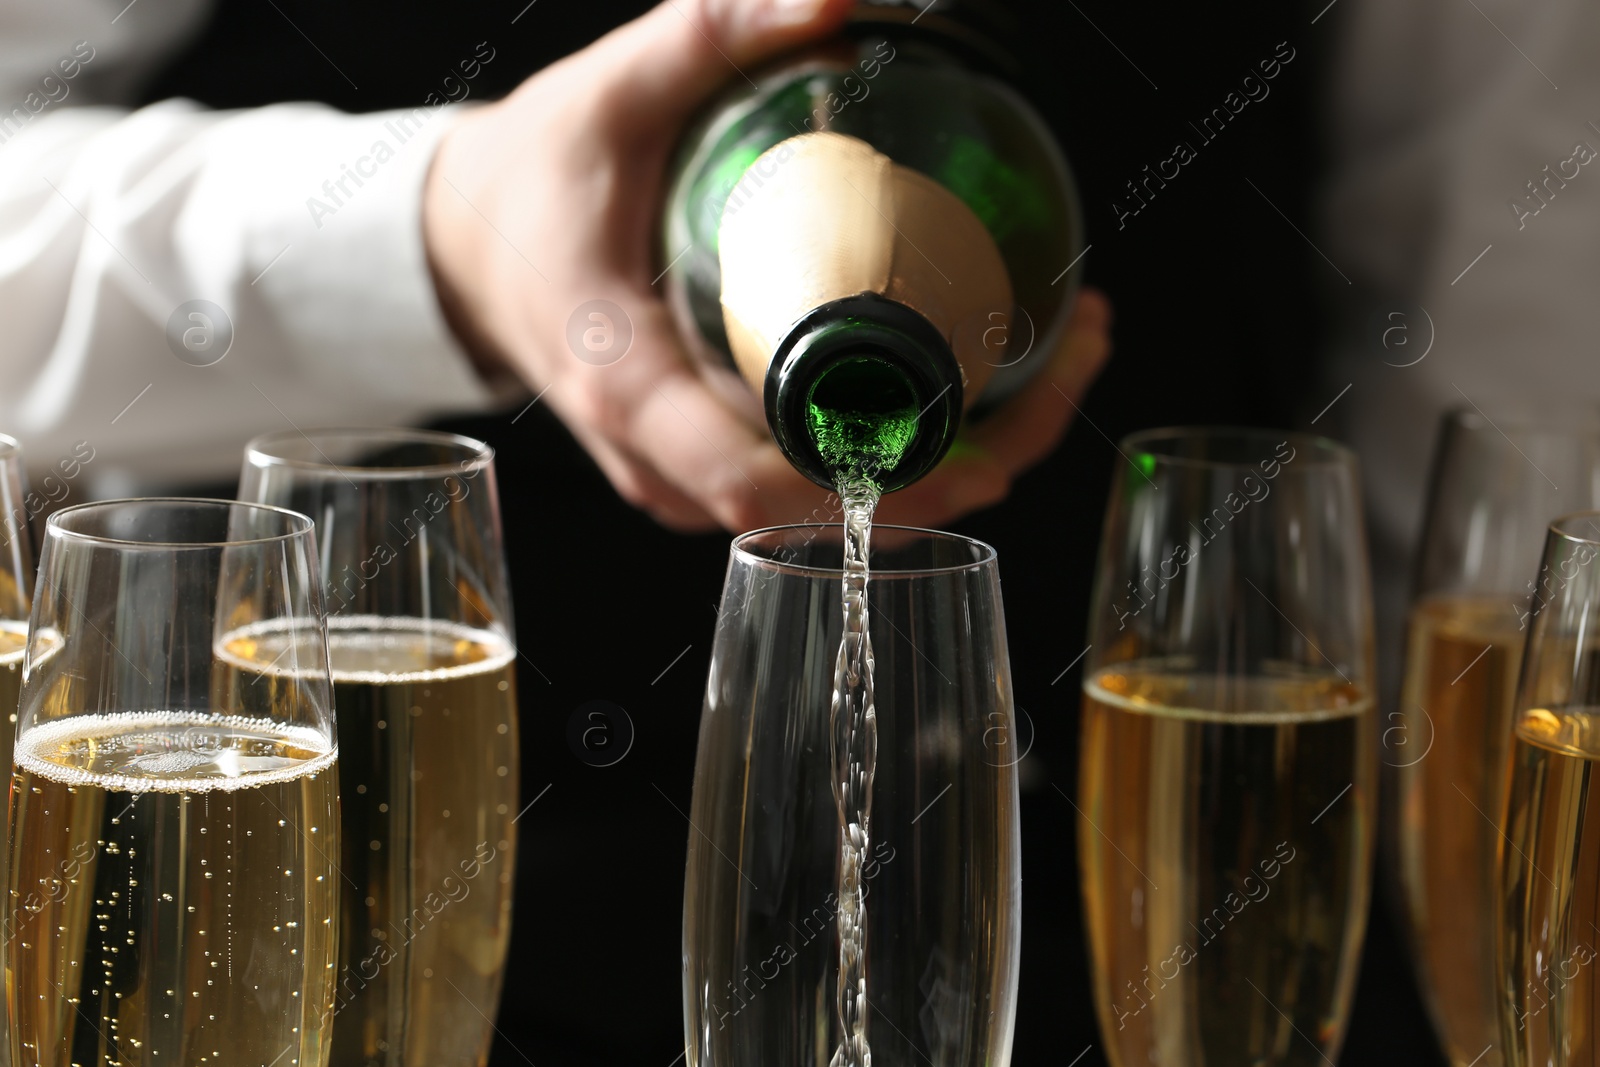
{"x": 823, "y": 216}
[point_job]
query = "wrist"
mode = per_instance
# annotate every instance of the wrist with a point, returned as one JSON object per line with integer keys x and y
{"x": 457, "y": 256}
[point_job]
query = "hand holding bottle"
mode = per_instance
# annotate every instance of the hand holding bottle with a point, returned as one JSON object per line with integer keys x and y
{"x": 549, "y": 199}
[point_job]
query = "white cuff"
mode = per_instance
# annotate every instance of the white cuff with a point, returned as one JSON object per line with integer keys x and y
{"x": 358, "y": 299}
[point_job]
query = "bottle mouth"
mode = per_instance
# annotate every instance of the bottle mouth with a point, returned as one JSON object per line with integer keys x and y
{"x": 862, "y": 413}
{"x": 864, "y": 387}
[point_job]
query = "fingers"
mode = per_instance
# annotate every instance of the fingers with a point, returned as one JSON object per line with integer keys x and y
{"x": 966, "y": 481}
{"x": 587, "y": 135}
{"x": 639, "y": 485}
{"x": 667, "y": 441}
{"x": 709, "y": 453}
{"x": 696, "y": 459}
{"x": 1031, "y": 425}
{"x": 663, "y": 65}
{"x": 982, "y": 464}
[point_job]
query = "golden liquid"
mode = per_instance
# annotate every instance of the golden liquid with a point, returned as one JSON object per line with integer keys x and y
{"x": 1225, "y": 845}
{"x": 13, "y": 642}
{"x": 1550, "y": 893}
{"x": 428, "y": 764}
{"x": 1447, "y": 746}
{"x": 172, "y": 897}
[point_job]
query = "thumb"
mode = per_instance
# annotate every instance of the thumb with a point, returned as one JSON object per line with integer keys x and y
{"x": 660, "y": 67}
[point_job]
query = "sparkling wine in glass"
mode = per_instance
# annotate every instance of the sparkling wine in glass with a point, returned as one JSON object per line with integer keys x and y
{"x": 1226, "y": 788}
{"x": 173, "y": 809}
{"x": 420, "y": 643}
{"x": 1549, "y": 860}
{"x": 1494, "y": 488}
{"x": 16, "y": 584}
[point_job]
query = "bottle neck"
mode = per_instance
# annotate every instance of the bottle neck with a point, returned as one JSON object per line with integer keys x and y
{"x": 864, "y": 387}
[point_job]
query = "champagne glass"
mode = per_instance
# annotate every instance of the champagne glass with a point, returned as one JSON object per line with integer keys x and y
{"x": 763, "y": 922}
{"x": 1549, "y": 864}
{"x": 1493, "y": 488}
{"x": 16, "y": 580}
{"x": 420, "y": 642}
{"x": 1226, "y": 788}
{"x": 174, "y": 803}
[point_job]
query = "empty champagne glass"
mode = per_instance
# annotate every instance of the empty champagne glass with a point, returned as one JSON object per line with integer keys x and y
{"x": 1549, "y": 861}
{"x": 1227, "y": 755}
{"x": 762, "y": 897}
{"x": 174, "y": 803}
{"x": 1494, "y": 488}
{"x": 420, "y": 642}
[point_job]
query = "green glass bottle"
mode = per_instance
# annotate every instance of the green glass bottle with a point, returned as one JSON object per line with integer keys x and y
{"x": 878, "y": 238}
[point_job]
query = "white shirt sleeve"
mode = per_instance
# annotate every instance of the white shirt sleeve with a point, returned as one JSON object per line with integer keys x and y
{"x": 300, "y": 223}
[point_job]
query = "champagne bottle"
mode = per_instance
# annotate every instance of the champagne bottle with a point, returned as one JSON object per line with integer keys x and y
{"x": 875, "y": 235}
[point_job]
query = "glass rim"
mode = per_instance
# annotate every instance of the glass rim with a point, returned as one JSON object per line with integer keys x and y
{"x": 476, "y": 455}
{"x": 1473, "y": 419}
{"x": 984, "y": 556}
{"x": 10, "y": 447}
{"x": 57, "y": 526}
{"x": 1591, "y": 519}
{"x": 1333, "y": 453}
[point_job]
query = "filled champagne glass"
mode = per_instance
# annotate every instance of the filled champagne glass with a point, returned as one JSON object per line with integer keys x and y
{"x": 1549, "y": 861}
{"x": 420, "y": 643}
{"x": 16, "y": 583}
{"x": 802, "y": 912}
{"x": 1226, "y": 788}
{"x": 1494, "y": 487}
{"x": 174, "y": 807}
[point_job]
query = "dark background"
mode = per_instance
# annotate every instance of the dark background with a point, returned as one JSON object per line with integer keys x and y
{"x": 1217, "y": 322}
